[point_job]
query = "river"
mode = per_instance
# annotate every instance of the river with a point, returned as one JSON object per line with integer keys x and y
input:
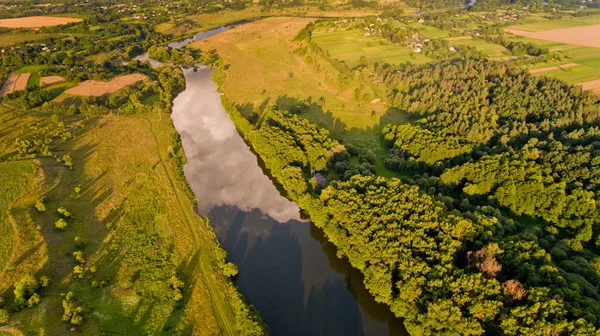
{"x": 287, "y": 268}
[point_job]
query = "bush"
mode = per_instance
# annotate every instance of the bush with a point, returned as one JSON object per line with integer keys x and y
{"x": 25, "y": 290}
{"x": 39, "y": 205}
{"x": 63, "y": 212}
{"x": 4, "y": 316}
{"x": 230, "y": 270}
{"x": 72, "y": 310}
{"x": 61, "y": 224}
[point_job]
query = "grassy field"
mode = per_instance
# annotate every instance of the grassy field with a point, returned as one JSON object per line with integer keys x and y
{"x": 350, "y": 45}
{"x": 13, "y": 179}
{"x": 29, "y": 69}
{"x": 11, "y": 39}
{"x": 260, "y": 54}
{"x": 537, "y": 22}
{"x": 429, "y": 31}
{"x": 486, "y": 48}
{"x": 34, "y": 80}
{"x": 137, "y": 217}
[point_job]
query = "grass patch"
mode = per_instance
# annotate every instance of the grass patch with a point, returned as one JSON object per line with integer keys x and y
{"x": 7, "y": 39}
{"x": 13, "y": 179}
{"x": 429, "y": 31}
{"x": 150, "y": 100}
{"x": 34, "y": 80}
{"x": 30, "y": 69}
{"x": 486, "y": 48}
{"x": 164, "y": 27}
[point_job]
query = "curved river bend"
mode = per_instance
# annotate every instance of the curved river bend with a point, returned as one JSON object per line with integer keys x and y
{"x": 287, "y": 268}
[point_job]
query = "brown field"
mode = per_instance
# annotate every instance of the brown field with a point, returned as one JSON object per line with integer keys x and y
{"x": 36, "y": 22}
{"x": 556, "y": 67}
{"x": 592, "y": 85}
{"x": 99, "y": 88}
{"x": 588, "y": 36}
{"x": 49, "y": 80}
{"x": 15, "y": 83}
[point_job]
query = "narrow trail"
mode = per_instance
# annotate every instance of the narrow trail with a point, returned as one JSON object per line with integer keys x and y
{"x": 215, "y": 295}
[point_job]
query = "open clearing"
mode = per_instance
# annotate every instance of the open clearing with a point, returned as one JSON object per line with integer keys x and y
{"x": 99, "y": 88}
{"x": 556, "y": 67}
{"x": 36, "y": 22}
{"x": 15, "y": 82}
{"x": 587, "y": 36}
{"x": 49, "y": 80}
{"x": 486, "y": 48}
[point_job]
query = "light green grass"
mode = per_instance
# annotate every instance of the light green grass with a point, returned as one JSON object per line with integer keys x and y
{"x": 13, "y": 178}
{"x": 11, "y": 39}
{"x": 34, "y": 80}
{"x": 428, "y": 31}
{"x": 150, "y": 100}
{"x": 350, "y": 45}
{"x": 537, "y": 23}
{"x": 486, "y": 48}
{"x": 29, "y": 69}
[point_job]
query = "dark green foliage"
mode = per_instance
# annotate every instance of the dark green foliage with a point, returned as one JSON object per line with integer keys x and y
{"x": 422, "y": 145}
{"x": 4, "y": 316}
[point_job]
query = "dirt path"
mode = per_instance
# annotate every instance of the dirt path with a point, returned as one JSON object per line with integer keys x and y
{"x": 555, "y": 67}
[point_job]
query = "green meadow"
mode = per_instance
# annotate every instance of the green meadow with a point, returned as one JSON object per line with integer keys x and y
{"x": 486, "y": 48}
{"x": 13, "y": 178}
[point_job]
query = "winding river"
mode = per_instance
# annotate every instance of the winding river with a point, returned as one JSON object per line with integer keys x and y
{"x": 287, "y": 268}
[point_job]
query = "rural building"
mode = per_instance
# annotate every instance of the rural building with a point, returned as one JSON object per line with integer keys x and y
{"x": 320, "y": 178}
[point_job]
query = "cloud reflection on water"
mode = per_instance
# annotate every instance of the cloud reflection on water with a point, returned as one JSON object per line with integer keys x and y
{"x": 218, "y": 158}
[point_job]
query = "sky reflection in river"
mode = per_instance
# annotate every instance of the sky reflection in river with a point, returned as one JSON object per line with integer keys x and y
{"x": 226, "y": 166}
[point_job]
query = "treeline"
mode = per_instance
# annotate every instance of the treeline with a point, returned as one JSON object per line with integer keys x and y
{"x": 185, "y": 57}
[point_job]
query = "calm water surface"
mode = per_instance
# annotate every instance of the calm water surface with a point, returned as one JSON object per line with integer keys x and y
{"x": 288, "y": 270}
